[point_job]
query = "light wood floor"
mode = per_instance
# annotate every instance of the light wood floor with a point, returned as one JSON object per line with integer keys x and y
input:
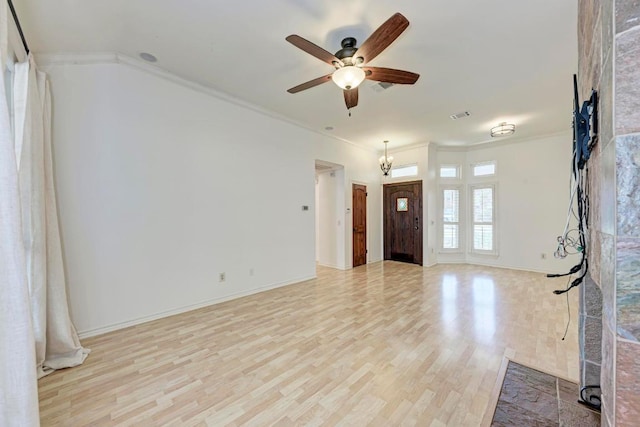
{"x": 383, "y": 344}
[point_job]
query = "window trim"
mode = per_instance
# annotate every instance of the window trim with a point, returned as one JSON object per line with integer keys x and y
{"x": 461, "y": 222}
{"x": 494, "y": 252}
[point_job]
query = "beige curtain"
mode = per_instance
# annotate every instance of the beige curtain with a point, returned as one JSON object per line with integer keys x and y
{"x": 18, "y": 384}
{"x": 56, "y": 340}
{"x": 36, "y": 333}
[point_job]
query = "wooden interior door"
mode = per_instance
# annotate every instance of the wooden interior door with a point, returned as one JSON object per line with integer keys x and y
{"x": 403, "y": 222}
{"x": 359, "y": 212}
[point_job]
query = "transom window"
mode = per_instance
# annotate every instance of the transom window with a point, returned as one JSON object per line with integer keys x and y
{"x": 484, "y": 169}
{"x": 403, "y": 171}
{"x": 449, "y": 171}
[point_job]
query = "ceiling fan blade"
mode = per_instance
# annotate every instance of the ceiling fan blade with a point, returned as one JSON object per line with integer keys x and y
{"x": 389, "y": 75}
{"x": 382, "y": 37}
{"x": 310, "y": 84}
{"x": 314, "y": 50}
{"x": 351, "y": 97}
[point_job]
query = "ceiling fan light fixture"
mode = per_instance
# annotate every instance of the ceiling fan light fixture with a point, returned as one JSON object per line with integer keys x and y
{"x": 348, "y": 77}
{"x": 503, "y": 129}
{"x": 348, "y": 74}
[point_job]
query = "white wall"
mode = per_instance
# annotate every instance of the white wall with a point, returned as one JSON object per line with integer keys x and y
{"x": 532, "y": 199}
{"x": 162, "y": 187}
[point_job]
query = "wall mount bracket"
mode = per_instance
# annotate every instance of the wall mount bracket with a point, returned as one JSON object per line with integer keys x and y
{"x": 585, "y": 125}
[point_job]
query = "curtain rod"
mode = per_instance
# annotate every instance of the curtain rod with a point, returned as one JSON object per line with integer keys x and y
{"x": 15, "y": 18}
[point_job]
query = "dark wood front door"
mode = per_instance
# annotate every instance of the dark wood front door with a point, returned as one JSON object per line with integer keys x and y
{"x": 403, "y": 222}
{"x": 359, "y": 224}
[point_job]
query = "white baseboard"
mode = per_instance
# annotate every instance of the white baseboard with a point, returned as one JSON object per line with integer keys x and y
{"x": 121, "y": 325}
{"x": 332, "y": 266}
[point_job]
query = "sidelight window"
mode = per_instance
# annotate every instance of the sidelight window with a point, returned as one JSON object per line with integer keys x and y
{"x": 483, "y": 219}
{"x": 450, "y": 218}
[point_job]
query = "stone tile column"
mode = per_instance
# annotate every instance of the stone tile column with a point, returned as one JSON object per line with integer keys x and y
{"x": 590, "y": 337}
{"x": 626, "y": 101}
{"x": 609, "y": 60}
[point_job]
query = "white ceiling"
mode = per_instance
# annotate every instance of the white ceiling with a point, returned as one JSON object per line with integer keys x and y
{"x": 502, "y": 60}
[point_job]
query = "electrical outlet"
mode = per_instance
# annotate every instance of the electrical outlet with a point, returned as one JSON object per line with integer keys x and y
{"x": 222, "y": 277}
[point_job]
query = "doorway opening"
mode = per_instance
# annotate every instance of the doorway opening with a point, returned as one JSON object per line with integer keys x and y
{"x": 329, "y": 215}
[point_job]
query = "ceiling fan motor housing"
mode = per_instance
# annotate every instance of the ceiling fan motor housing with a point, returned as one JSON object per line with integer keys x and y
{"x": 348, "y": 50}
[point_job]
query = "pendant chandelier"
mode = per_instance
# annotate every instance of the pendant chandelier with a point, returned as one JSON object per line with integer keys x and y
{"x": 385, "y": 161}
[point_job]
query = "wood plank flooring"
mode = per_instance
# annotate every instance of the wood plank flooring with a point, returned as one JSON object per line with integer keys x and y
{"x": 382, "y": 344}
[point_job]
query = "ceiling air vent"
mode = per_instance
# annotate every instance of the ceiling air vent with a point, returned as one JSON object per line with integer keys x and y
{"x": 460, "y": 115}
{"x": 380, "y": 86}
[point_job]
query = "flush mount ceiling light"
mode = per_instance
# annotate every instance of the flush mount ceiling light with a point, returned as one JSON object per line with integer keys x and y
{"x": 385, "y": 161}
{"x": 503, "y": 129}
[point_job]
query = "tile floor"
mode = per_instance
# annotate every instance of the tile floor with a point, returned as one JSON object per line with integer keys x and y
{"x": 533, "y": 398}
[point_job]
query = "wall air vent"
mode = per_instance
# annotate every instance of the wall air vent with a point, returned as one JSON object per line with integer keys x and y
{"x": 460, "y": 115}
{"x": 380, "y": 86}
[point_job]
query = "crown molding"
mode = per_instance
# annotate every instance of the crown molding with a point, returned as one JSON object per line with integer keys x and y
{"x": 500, "y": 143}
{"x": 45, "y": 61}
{"x": 406, "y": 148}
{"x": 48, "y": 60}
{"x": 452, "y": 148}
{"x": 509, "y": 141}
